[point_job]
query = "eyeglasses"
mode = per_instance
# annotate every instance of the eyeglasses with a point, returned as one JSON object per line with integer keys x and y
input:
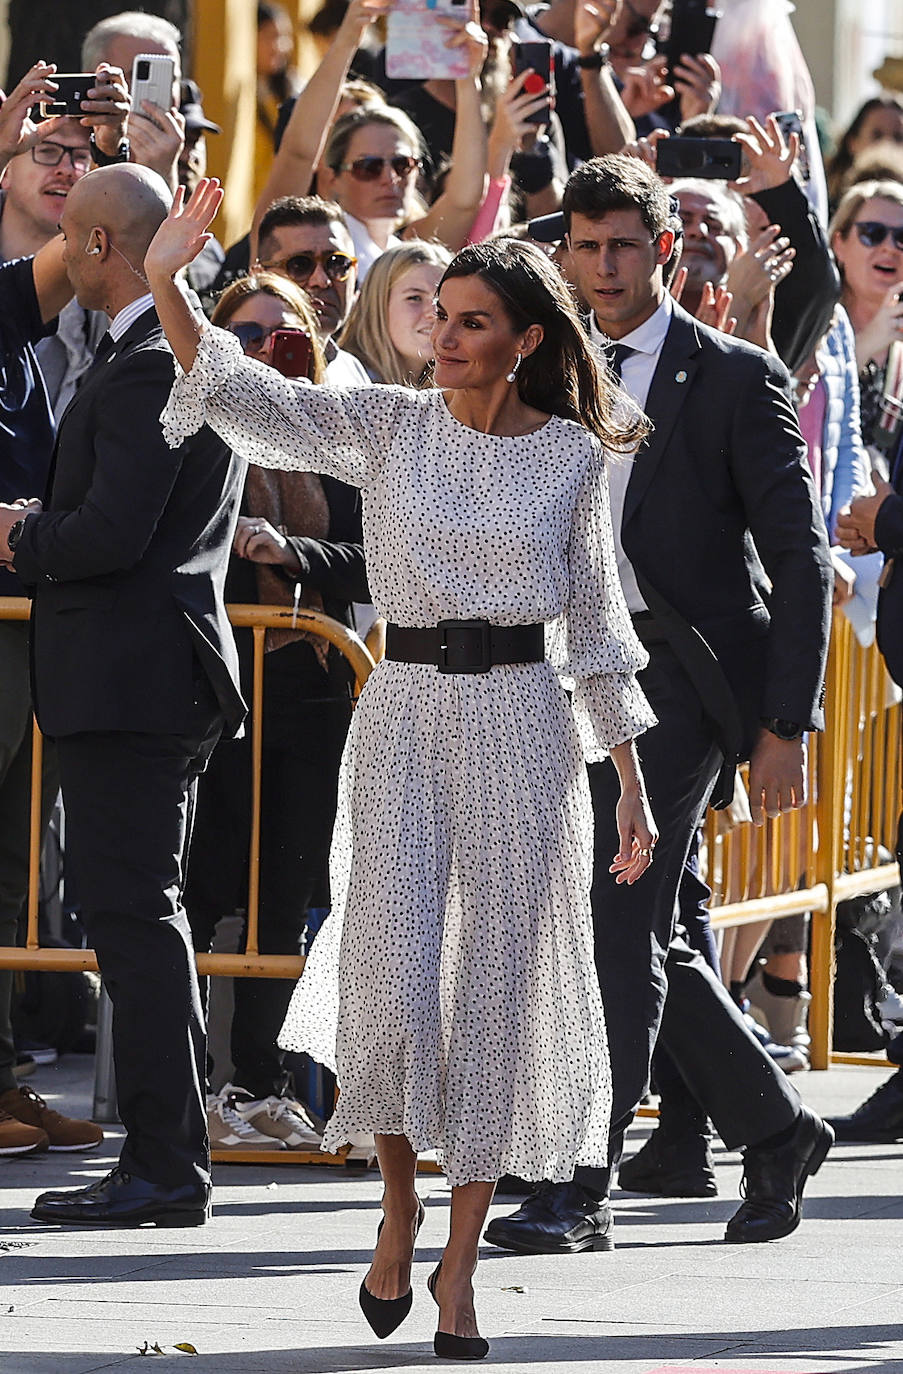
{"x": 871, "y": 233}
{"x": 300, "y": 266}
{"x": 371, "y": 168}
{"x": 251, "y": 335}
{"x": 52, "y": 154}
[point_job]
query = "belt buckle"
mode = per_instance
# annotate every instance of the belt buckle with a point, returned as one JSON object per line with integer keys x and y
{"x": 453, "y": 652}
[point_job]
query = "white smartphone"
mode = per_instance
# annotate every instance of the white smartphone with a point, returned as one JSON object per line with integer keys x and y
{"x": 152, "y": 75}
{"x": 415, "y": 42}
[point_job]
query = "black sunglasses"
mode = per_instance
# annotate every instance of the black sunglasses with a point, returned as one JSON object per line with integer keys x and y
{"x": 300, "y": 266}
{"x": 371, "y": 168}
{"x": 871, "y": 233}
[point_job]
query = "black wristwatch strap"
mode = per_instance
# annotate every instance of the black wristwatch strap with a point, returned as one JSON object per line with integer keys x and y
{"x": 102, "y": 159}
{"x": 594, "y": 61}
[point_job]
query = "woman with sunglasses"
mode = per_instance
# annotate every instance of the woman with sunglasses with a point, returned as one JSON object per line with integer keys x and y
{"x": 298, "y": 542}
{"x": 866, "y": 235}
{"x": 454, "y": 984}
{"x": 374, "y": 157}
{"x": 391, "y": 323}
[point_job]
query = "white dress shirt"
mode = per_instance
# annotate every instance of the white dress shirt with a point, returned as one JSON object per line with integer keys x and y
{"x": 636, "y": 377}
{"x": 122, "y": 323}
{"x": 366, "y": 249}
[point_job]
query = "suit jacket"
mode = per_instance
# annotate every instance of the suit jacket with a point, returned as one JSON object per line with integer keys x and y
{"x": 889, "y": 538}
{"x": 723, "y": 527}
{"x": 128, "y": 560}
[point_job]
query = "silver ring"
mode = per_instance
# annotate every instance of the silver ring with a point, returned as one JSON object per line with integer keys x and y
{"x": 647, "y": 853}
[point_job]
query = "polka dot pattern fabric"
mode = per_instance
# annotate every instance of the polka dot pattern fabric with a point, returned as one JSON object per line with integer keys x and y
{"x": 453, "y": 988}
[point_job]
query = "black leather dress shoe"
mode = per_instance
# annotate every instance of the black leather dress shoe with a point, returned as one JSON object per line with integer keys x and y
{"x": 120, "y": 1199}
{"x": 774, "y": 1179}
{"x": 671, "y": 1166}
{"x": 878, "y": 1119}
{"x": 558, "y": 1219}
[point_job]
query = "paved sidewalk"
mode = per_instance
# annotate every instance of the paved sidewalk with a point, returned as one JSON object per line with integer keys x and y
{"x": 269, "y": 1287}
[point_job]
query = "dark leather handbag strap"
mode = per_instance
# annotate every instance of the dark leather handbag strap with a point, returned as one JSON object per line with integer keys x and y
{"x": 705, "y": 672}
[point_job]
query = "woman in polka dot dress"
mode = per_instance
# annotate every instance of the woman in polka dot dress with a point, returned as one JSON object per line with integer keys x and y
{"x": 454, "y": 987}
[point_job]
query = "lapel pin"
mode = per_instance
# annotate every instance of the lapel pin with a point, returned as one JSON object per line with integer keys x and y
{"x": 680, "y": 376}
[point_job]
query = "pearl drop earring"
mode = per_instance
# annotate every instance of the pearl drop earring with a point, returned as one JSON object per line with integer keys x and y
{"x": 513, "y": 373}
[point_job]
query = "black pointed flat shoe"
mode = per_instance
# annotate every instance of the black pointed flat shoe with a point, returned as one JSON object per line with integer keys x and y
{"x": 448, "y": 1346}
{"x": 385, "y": 1315}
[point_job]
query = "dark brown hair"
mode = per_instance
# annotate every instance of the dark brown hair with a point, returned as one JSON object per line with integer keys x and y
{"x": 562, "y": 376}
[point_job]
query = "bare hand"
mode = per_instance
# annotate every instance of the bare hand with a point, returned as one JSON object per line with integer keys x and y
{"x": 645, "y": 88}
{"x": 107, "y": 108}
{"x": 646, "y": 149}
{"x": 844, "y": 581}
{"x": 157, "y": 137}
{"x": 884, "y": 328}
{"x": 260, "y": 542}
{"x": 17, "y": 132}
{"x": 469, "y": 35}
{"x": 359, "y": 15}
{"x": 512, "y": 123}
{"x": 715, "y": 308}
{"x": 593, "y": 22}
{"x": 753, "y": 275}
{"x": 777, "y": 776}
{"x": 9, "y": 514}
{"x": 638, "y": 835}
{"x": 697, "y": 81}
{"x": 856, "y": 527}
{"x": 183, "y": 234}
{"x": 770, "y": 159}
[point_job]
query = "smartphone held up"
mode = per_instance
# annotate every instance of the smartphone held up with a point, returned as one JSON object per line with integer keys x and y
{"x": 715, "y": 159}
{"x": 535, "y": 58}
{"x": 72, "y": 89}
{"x": 416, "y": 41}
{"x": 152, "y": 78}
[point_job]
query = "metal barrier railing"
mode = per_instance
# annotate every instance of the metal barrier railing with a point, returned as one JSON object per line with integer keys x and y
{"x": 805, "y": 861}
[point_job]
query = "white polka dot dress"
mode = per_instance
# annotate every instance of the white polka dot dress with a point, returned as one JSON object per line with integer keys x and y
{"x": 453, "y": 988}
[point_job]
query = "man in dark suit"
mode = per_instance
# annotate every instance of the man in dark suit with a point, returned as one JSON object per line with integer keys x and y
{"x": 725, "y": 565}
{"x": 135, "y": 677}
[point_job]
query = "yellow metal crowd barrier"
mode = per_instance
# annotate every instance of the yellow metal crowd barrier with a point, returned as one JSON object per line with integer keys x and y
{"x": 805, "y": 861}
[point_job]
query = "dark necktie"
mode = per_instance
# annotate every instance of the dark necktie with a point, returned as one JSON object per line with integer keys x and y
{"x": 105, "y": 347}
{"x": 615, "y": 356}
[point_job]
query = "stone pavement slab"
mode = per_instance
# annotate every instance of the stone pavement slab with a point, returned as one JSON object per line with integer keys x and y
{"x": 270, "y": 1286}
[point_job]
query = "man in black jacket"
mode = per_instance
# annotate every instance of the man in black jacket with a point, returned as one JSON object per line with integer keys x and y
{"x": 725, "y": 566}
{"x": 135, "y": 677}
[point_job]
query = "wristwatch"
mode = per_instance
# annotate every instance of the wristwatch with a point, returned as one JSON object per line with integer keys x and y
{"x": 14, "y": 535}
{"x": 594, "y": 61}
{"x": 102, "y": 159}
{"x": 784, "y": 729}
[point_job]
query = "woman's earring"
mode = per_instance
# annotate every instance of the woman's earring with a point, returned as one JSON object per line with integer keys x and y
{"x": 513, "y": 373}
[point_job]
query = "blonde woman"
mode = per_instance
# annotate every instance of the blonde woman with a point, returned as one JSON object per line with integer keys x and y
{"x": 389, "y": 328}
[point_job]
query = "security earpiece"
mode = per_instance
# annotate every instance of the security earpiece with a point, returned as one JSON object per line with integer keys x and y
{"x": 93, "y": 252}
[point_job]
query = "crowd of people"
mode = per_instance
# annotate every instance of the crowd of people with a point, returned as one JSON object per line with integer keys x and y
{"x": 601, "y": 445}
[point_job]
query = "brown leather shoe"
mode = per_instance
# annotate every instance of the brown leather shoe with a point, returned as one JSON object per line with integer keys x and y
{"x": 62, "y": 1132}
{"x": 19, "y": 1139}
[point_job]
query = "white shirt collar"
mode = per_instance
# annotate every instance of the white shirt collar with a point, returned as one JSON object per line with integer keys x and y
{"x": 127, "y": 316}
{"x": 648, "y": 337}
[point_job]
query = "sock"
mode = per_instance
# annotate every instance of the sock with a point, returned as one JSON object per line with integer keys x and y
{"x": 781, "y": 987}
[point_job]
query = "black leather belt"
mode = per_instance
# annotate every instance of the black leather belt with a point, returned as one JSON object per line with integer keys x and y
{"x": 466, "y": 646}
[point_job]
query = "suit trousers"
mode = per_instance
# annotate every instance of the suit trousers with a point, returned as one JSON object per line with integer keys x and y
{"x": 654, "y": 985}
{"x": 128, "y": 799}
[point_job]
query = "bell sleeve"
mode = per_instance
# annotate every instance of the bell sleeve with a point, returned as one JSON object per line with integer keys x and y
{"x": 281, "y": 422}
{"x": 592, "y": 645}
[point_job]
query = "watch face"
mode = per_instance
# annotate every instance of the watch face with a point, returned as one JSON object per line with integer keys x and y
{"x": 14, "y": 535}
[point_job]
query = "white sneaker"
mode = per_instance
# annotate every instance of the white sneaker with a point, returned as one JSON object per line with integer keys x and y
{"x": 228, "y": 1129}
{"x": 280, "y": 1119}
